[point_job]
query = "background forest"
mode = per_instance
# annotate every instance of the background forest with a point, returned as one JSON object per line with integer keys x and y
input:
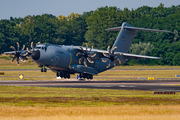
{"x": 76, "y": 29}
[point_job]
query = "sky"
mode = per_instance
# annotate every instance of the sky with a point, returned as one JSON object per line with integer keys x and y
{"x": 22, "y": 8}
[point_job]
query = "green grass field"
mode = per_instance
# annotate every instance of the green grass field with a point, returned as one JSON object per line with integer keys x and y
{"x": 68, "y": 97}
{"x": 19, "y": 103}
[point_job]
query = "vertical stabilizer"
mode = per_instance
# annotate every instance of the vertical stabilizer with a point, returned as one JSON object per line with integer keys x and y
{"x": 125, "y": 38}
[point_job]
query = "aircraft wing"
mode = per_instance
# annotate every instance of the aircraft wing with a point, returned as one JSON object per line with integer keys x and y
{"x": 14, "y": 52}
{"x": 131, "y": 56}
{"x": 99, "y": 53}
{"x": 10, "y": 53}
{"x": 127, "y": 55}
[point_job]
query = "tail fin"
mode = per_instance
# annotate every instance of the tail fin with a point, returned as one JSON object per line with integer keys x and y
{"x": 126, "y": 36}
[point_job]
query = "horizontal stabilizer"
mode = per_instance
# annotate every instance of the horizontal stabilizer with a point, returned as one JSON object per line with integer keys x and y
{"x": 138, "y": 29}
{"x": 113, "y": 29}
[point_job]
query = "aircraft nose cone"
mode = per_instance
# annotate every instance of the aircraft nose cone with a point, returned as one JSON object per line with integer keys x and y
{"x": 36, "y": 55}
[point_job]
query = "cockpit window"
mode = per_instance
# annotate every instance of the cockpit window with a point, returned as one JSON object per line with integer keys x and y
{"x": 37, "y": 47}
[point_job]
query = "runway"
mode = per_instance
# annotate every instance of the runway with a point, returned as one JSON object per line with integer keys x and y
{"x": 146, "y": 85}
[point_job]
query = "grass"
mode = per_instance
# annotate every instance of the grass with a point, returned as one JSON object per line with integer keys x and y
{"x": 5, "y": 63}
{"x": 92, "y": 113}
{"x": 20, "y": 103}
{"x": 69, "y": 97}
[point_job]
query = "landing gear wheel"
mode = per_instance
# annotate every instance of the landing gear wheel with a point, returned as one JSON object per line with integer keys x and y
{"x": 84, "y": 76}
{"x": 68, "y": 76}
{"x": 41, "y": 69}
{"x": 45, "y": 70}
{"x": 88, "y": 76}
{"x": 61, "y": 74}
{"x": 80, "y": 75}
{"x": 91, "y": 77}
{"x": 58, "y": 74}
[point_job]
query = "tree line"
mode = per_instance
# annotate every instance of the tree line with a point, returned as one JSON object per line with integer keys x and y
{"x": 77, "y": 29}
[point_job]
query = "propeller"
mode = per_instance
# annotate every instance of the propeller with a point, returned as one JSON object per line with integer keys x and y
{"x": 111, "y": 56}
{"x": 85, "y": 55}
{"x": 29, "y": 52}
{"x": 18, "y": 55}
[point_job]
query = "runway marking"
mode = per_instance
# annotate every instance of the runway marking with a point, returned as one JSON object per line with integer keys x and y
{"x": 126, "y": 86}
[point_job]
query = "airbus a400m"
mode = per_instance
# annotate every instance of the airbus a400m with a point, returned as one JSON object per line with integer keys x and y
{"x": 66, "y": 60}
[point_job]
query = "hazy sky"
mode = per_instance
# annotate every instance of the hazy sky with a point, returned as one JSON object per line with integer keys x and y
{"x": 22, "y": 8}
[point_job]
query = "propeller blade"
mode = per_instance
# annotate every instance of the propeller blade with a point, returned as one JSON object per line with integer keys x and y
{"x": 89, "y": 60}
{"x": 106, "y": 55}
{"x": 116, "y": 55}
{"x": 93, "y": 55}
{"x": 108, "y": 64}
{"x": 82, "y": 49}
{"x": 86, "y": 46}
{"x": 32, "y": 61}
{"x": 38, "y": 43}
{"x": 80, "y": 60}
{"x": 109, "y": 50}
{"x": 105, "y": 60}
{"x": 28, "y": 50}
{"x": 114, "y": 63}
{"x": 79, "y": 53}
{"x": 13, "y": 48}
{"x": 17, "y": 46}
{"x": 85, "y": 62}
{"x": 13, "y": 59}
{"x": 118, "y": 60}
{"x": 21, "y": 59}
{"x": 23, "y": 48}
{"x": 17, "y": 61}
{"x": 32, "y": 46}
{"x": 113, "y": 50}
{"x": 90, "y": 49}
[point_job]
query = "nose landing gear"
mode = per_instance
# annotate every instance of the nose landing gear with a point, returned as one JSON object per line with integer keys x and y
{"x": 43, "y": 69}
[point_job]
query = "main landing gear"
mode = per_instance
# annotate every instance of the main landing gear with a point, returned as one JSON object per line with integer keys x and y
{"x": 43, "y": 69}
{"x": 63, "y": 74}
{"x": 83, "y": 75}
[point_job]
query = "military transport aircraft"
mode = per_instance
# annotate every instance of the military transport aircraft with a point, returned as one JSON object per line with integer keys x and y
{"x": 66, "y": 60}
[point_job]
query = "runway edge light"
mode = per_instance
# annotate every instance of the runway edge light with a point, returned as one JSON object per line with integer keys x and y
{"x": 150, "y": 78}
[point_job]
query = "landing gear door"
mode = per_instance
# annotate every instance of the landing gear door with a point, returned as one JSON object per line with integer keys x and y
{"x": 56, "y": 59}
{"x": 96, "y": 65}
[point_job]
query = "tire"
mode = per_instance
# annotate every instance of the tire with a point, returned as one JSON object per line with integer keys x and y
{"x": 88, "y": 76}
{"x": 68, "y": 76}
{"x": 84, "y": 76}
{"x": 91, "y": 77}
{"x": 80, "y": 75}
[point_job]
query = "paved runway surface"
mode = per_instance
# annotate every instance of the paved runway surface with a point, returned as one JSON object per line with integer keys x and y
{"x": 154, "y": 85}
